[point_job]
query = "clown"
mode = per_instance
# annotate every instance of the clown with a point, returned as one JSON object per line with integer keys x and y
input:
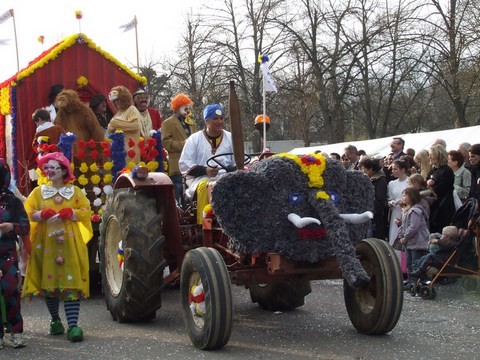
{"x": 175, "y": 131}
{"x": 59, "y": 216}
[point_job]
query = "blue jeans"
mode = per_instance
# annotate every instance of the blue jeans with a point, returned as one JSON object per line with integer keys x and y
{"x": 178, "y": 186}
{"x": 413, "y": 256}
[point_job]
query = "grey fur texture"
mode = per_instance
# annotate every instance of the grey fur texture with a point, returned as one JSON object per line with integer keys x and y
{"x": 252, "y": 208}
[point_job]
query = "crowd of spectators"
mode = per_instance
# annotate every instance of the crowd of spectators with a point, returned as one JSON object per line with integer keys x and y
{"x": 442, "y": 179}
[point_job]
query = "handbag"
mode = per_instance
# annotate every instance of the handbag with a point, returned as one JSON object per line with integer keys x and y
{"x": 397, "y": 245}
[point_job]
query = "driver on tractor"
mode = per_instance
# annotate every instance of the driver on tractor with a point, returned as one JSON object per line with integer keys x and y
{"x": 200, "y": 147}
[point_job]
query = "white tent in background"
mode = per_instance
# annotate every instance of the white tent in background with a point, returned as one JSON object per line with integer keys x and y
{"x": 416, "y": 141}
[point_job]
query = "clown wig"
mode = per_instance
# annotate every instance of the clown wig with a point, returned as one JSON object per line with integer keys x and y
{"x": 179, "y": 101}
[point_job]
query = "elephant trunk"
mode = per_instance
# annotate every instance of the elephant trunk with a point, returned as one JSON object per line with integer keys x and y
{"x": 338, "y": 236}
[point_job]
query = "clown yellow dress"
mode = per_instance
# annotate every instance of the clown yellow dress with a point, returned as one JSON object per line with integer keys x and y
{"x": 58, "y": 266}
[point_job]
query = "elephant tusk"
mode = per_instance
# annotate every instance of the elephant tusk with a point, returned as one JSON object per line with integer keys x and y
{"x": 300, "y": 222}
{"x": 357, "y": 218}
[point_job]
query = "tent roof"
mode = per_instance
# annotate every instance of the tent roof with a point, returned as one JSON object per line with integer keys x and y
{"x": 416, "y": 141}
{"x": 53, "y": 52}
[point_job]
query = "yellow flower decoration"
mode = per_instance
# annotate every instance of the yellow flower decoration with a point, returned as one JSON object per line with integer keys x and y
{"x": 82, "y": 180}
{"x": 72, "y": 166}
{"x": 142, "y": 163}
{"x": 83, "y": 167}
{"x": 94, "y": 167}
{"x": 152, "y": 166}
{"x": 107, "y": 179}
{"x": 82, "y": 81}
{"x": 99, "y": 212}
{"x": 68, "y": 42}
{"x": 313, "y": 166}
{"x": 108, "y": 166}
{"x": 131, "y": 165}
{"x": 5, "y": 100}
{"x": 95, "y": 179}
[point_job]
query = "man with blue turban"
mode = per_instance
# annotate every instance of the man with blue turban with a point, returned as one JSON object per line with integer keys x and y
{"x": 198, "y": 148}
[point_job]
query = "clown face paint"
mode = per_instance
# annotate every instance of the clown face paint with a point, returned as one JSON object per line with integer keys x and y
{"x": 184, "y": 110}
{"x": 53, "y": 170}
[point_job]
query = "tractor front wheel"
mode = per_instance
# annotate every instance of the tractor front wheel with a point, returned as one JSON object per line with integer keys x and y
{"x": 206, "y": 298}
{"x": 375, "y": 308}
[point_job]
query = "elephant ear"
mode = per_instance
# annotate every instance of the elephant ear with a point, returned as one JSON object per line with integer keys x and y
{"x": 360, "y": 197}
{"x": 240, "y": 203}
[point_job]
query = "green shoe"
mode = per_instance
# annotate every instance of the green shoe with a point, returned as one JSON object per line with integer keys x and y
{"x": 56, "y": 327}
{"x": 75, "y": 334}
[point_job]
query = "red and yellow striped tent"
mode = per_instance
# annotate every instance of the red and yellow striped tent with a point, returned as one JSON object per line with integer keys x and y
{"x": 77, "y": 63}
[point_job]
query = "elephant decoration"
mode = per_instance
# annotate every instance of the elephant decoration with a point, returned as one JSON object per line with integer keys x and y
{"x": 305, "y": 208}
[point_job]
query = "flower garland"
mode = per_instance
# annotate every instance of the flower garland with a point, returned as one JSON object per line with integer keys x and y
{"x": 118, "y": 152}
{"x": 68, "y": 42}
{"x": 313, "y": 166}
{"x": 157, "y": 135}
{"x": 5, "y": 100}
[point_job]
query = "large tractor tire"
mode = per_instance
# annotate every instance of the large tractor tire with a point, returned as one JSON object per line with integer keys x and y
{"x": 375, "y": 309}
{"x": 206, "y": 298}
{"x": 130, "y": 221}
{"x": 282, "y": 296}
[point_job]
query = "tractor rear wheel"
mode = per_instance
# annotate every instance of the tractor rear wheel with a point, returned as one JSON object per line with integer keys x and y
{"x": 375, "y": 309}
{"x": 206, "y": 298}
{"x": 130, "y": 221}
{"x": 282, "y": 296}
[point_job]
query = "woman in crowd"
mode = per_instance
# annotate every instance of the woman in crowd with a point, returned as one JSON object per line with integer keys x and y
{"x": 373, "y": 170}
{"x": 463, "y": 177}
{"x": 423, "y": 163}
{"x": 395, "y": 189}
{"x": 440, "y": 179}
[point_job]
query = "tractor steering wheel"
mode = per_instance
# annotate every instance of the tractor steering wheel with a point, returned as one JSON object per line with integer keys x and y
{"x": 214, "y": 159}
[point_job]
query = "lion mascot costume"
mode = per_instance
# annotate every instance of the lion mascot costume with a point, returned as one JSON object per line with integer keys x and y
{"x": 76, "y": 117}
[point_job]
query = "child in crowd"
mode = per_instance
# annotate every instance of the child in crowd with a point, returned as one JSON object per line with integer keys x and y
{"x": 413, "y": 232}
{"x": 13, "y": 223}
{"x": 59, "y": 215}
{"x": 439, "y": 247}
{"x": 427, "y": 197}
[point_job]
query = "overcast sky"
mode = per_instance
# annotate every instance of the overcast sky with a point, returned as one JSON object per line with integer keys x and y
{"x": 159, "y": 25}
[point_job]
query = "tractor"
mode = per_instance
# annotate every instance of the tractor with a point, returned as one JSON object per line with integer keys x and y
{"x": 147, "y": 241}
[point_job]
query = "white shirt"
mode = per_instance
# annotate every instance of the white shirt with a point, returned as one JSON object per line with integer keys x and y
{"x": 197, "y": 150}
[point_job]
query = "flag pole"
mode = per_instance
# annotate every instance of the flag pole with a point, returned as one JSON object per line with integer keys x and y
{"x": 16, "y": 42}
{"x": 136, "y": 45}
{"x": 264, "y": 113}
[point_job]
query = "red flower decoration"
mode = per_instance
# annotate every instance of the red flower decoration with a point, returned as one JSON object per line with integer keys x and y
{"x": 105, "y": 144}
{"x": 94, "y": 154}
{"x": 131, "y": 153}
{"x": 107, "y": 152}
{"x": 91, "y": 144}
{"x": 96, "y": 218}
{"x": 82, "y": 144}
{"x": 81, "y": 154}
{"x": 131, "y": 142}
{"x": 310, "y": 160}
{"x": 141, "y": 144}
{"x": 152, "y": 142}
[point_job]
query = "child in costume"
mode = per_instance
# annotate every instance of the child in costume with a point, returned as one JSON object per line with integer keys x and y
{"x": 59, "y": 214}
{"x": 13, "y": 223}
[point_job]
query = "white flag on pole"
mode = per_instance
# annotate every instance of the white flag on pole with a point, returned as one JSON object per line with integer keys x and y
{"x": 268, "y": 82}
{"x": 6, "y": 15}
{"x": 129, "y": 26}
{"x": 4, "y": 41}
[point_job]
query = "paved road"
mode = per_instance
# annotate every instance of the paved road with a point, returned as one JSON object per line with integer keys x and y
{"x": 445, "y": 328}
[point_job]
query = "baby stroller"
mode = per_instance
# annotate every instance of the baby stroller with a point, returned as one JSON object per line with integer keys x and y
{"x": 463, "y": 261}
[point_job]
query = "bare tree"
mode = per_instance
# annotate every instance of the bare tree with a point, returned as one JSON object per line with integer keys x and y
{"x": 453, "y": 39}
